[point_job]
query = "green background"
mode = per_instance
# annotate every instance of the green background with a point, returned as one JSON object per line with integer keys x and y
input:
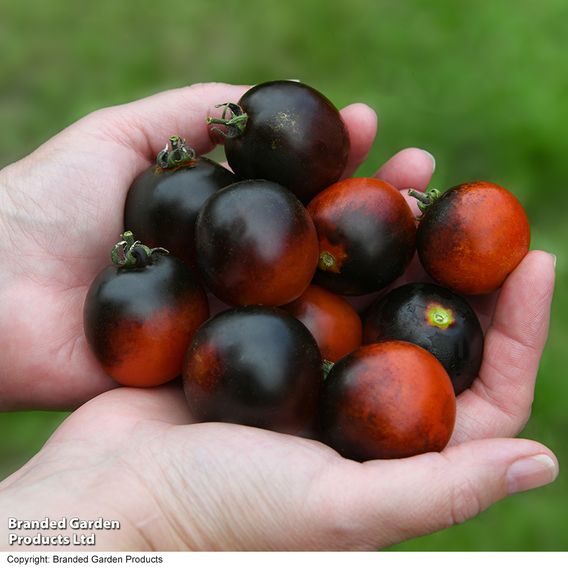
{"x": 483, "y": 85}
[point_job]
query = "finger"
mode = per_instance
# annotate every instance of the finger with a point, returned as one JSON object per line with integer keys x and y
{"x": 379, "y": 503}
{"x": 409, "y": 168}
{"x": 361, "y": 123}
{"x": 145, "y": 125}
{"x": 499, "y": 401}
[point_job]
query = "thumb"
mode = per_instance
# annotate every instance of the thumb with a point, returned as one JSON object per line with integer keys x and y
{"x": 389, "y": 501}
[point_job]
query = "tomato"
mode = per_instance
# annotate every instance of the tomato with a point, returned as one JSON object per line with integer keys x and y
{"x": 433, "y": 318}
{"x": 287, "y": 132}
{"x": 334, "y": 324}
{"x": 163, "y": 201}
{"x": 472, "y": 236}
{"x": 256, "y": 366}
{"x": 141, "y": 313}
{"x": 366, "y": 235}
{"x": 256, "y": 244}
{"x": 387, "y": 400}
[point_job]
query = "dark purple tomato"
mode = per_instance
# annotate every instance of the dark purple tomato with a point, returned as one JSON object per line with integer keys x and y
{"x": 163, "y": 202}
{"x": 472, "y": 237}
{"x": 366, "y": 235}
{"x": 140, "y": 317}
{"x": 436, "y": 319}
{"x": 256, "y": 244}
{"x": 387, "y": 400}
{"x": 287, "y": 132}
{"x": 255, "y": 366}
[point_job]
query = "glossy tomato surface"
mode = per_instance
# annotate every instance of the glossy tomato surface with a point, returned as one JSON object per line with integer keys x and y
{"x": 140, "y": 321}
{"x": 366, "y": 235}
{"x": 473, "y": 237}
{"x": 332, "y": 321}
{"x": 434, "y": 318}
{"x": 255, "y": 366}
{"x": 162, "y": 204}
{"x": 293, "y": 135}
{"x": 256, "y": 244}
{"x": 387, "y": 400}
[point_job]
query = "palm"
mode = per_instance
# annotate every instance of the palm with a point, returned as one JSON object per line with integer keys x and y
{"x": 197, "y": 471}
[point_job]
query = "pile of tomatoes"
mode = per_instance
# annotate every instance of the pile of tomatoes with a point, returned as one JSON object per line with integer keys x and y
{"x": 275, "y": 246}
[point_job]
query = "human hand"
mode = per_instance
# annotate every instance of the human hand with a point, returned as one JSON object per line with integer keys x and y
{"x": 61, "y": 210}
{"x": 133, "y": 455}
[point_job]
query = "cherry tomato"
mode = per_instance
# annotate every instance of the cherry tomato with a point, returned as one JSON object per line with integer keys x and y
{"x": 433, "y": 318}
{"x": 334, "y": 324}
{"x": 287, "y": 132}
{"x": 366, "y": 235}
{"x": 255, "y": 366}
{"x": 256, "y": 244}
{"x": 163, "y": 202}
{"x": 141, "y": 313}
{"x": 387, "y": 400}
{"x": 472, "y": 236}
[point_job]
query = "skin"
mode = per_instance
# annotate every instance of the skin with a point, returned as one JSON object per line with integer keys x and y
{"x": 388, "y": 400}
{"x": 332, "y": 321}
{"x": 473, "y": 237}
{"x": 134, "y": 454}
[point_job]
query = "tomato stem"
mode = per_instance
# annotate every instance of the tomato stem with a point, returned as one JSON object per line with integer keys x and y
{"x": 327, "y": 262}
{"x": 425, "y": 199}
{"x": 235, "y": 125}
{"x": 130, "y": 253}
{"x": 326, "y": 366}
{"x": 180, "y": 154}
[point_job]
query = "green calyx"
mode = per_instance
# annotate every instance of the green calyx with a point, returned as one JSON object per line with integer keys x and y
{"x": 233, "y": 118}
{"x": 130, "y": 253}
{"x": 176, "y": 154}
{"x": 425, "y": 199}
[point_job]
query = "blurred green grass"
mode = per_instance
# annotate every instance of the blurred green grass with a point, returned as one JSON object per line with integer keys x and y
{"x": 481, "y": 85}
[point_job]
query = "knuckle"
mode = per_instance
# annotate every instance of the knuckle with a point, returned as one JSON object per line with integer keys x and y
{"x": 465, "y": 503}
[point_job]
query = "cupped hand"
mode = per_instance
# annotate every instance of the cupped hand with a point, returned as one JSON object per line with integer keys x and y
{"x": 61, "y": 210}
{"x": 134, "y": 456}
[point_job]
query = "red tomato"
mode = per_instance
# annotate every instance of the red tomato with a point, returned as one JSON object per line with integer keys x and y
{"x": 335, "y": 325}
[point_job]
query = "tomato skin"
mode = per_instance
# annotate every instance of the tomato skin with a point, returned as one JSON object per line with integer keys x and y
{"x": 256, "y": 366}
{"x": 473, "y": 237}
{"x": 162, "y": 204}
{"x": 369, "y": 231}
{"x": 294, "y": 136}
{"x": 332, "y": 321}
{"x": 437, "y": 320}
{"x": 139, "y": 321}
{"x": 387, "y": 400}
{"x": 256, "y": 244}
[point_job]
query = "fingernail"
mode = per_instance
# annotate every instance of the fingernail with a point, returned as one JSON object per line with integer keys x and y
{"x": 432, "y": 158}
{"x": 530, "y": 473}
{"x": 553, "y": 258}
